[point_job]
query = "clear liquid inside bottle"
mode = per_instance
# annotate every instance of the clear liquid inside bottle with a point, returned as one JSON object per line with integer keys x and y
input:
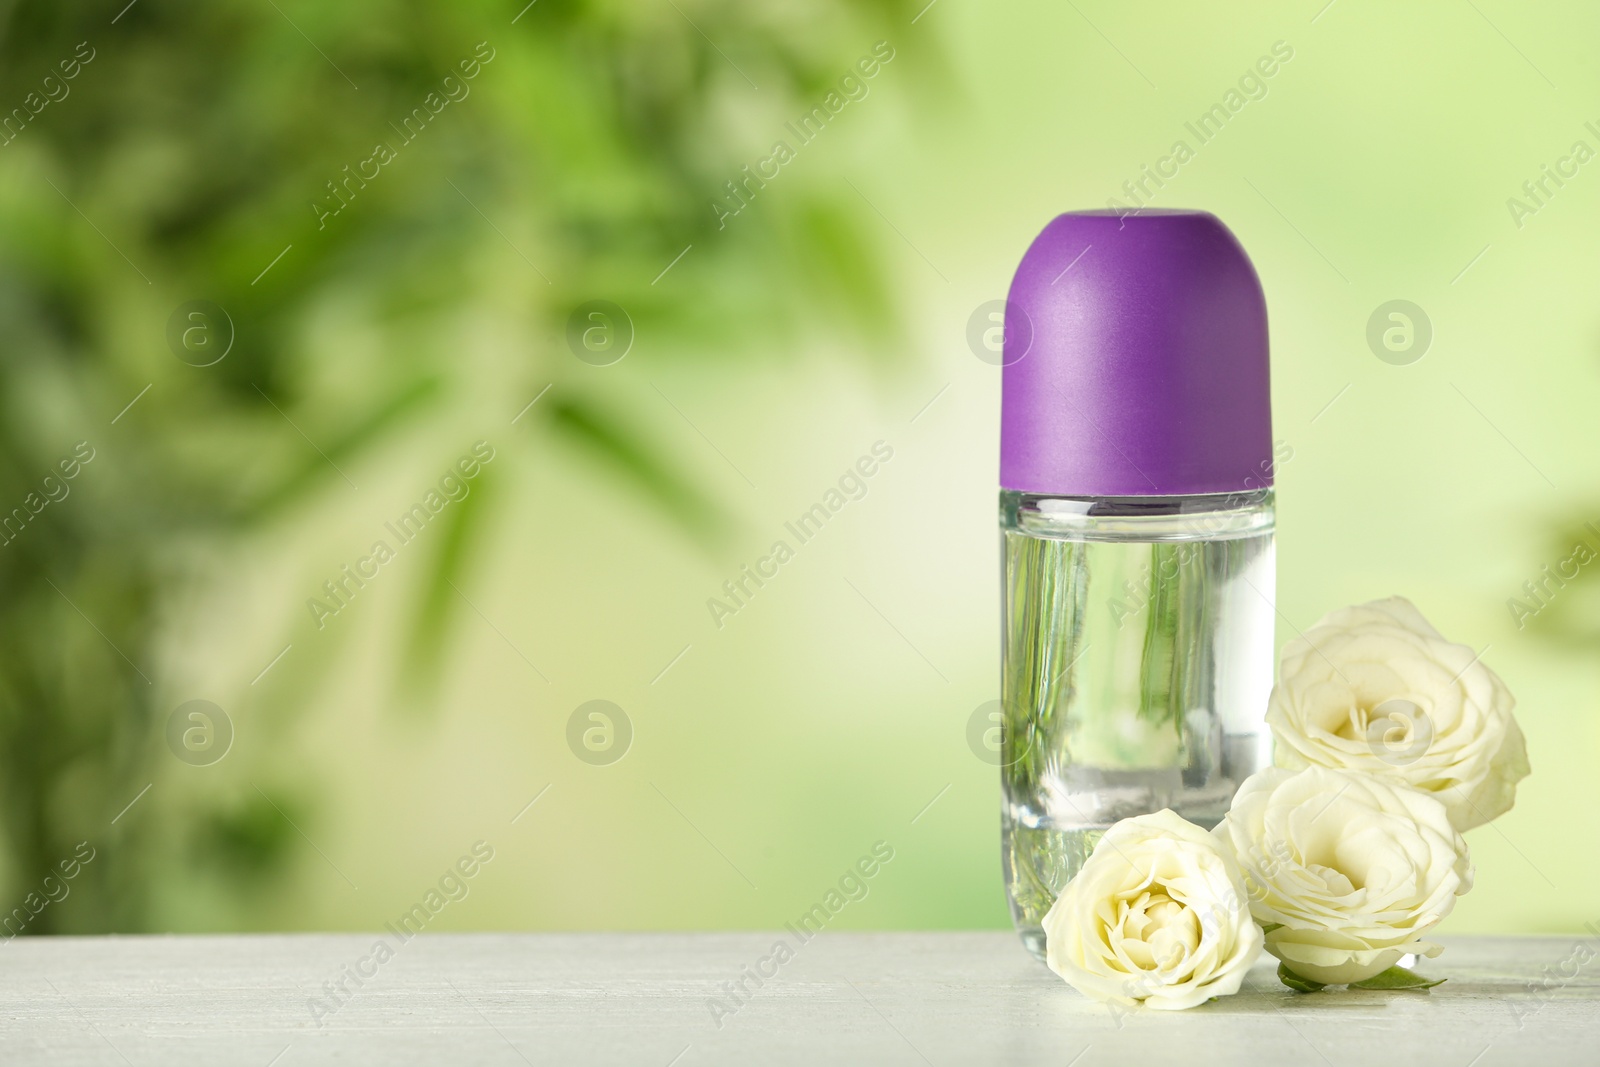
{"x": 1137, "y": 662}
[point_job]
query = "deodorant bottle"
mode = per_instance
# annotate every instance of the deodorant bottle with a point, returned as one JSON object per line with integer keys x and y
{"x": 1136, "y": 515}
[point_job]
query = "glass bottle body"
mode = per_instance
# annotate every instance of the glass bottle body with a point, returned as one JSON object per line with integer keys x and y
{"x": 1137, "y": 652}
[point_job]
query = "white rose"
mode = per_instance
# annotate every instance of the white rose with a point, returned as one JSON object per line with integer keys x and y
{"x": 1158, "y": 914}
{"x": 1375, "y": 688}
{"x": 1345, "y": 871}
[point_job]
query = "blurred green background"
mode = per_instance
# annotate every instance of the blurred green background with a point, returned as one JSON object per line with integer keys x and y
{"x": 587, "y": 159}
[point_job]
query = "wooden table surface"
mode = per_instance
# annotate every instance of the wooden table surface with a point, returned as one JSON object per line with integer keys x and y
{"x": 660, "y": 1000}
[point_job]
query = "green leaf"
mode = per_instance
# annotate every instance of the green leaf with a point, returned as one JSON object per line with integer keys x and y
{"x": 1397, "y": 978}
{"x": 364, "y": 431}
{"x": 442, "y": 599}
{"x": 825, "y": 237}
{"x": 1296, "y": 983}
{"x": 629, "y": 453}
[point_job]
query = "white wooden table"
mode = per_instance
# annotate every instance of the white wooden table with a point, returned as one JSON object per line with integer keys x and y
{"x": 937, "y": 998}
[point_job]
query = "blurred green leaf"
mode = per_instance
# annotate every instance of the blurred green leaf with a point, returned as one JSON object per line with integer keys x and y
{"x": 1560, "y": 603}
{"x": 324, "y": 464}
{"x": 249, "y": 840}
{"x": 441, "y": 597}
{"x": 630, "y": 455}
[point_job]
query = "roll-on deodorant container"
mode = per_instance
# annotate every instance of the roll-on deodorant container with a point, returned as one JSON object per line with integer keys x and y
{"x": 1136, "y": 515}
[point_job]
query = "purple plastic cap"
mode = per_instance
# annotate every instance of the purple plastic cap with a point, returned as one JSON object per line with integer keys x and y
{"x": 1135, "y": 355}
